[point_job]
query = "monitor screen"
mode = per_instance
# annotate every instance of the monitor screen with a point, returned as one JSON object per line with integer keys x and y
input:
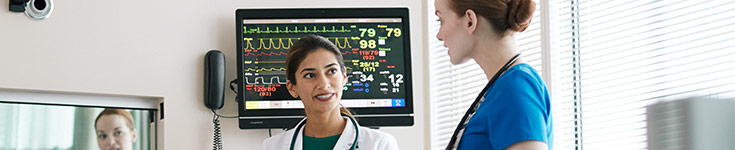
{"x": 38, "y": 126}
{"x": 375, "y": 46}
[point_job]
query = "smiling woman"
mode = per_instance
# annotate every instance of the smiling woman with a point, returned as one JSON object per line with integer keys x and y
{"x": 26, "y": 126}
{"x": 295, "y": 62}
{"x": 115, "y": 130}
{"x": 63, "y": 120}
{"x": 316, "y": 74}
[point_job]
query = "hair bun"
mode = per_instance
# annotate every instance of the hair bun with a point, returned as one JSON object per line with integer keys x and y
{"x": 520, "y": 13}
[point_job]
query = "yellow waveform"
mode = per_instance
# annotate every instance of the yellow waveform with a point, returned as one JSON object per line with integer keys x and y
{"x": 271, "y": 43}
{"x": 342, "y": 45}
{"x": 262, "y": 45}
{"x": 249, "y": 45}
{"x": 348, "y": 69}
{"x": 267, "y": 69}
{"x": 286, "y": 43}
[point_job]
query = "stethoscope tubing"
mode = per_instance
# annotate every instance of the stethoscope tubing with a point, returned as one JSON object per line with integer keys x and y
{"x": 462, "y": 123}
{"x": 302, "y": 123}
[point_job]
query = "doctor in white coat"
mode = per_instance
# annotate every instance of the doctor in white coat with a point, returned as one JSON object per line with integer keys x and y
{"x": 316, "y": 74}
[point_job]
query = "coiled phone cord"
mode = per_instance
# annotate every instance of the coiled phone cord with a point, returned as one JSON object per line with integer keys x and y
{"x": 217, "y": 143}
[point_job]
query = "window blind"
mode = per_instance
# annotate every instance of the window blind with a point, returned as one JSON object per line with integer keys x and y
{"x": 616, "y": 57}
{"x": 454, "y": 87}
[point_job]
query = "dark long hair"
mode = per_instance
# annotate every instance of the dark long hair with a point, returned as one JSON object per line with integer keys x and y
{"x": 305, "y": 46}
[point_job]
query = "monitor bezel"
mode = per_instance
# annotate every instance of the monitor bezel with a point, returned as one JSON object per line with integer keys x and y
{"x": 321, "y": 13}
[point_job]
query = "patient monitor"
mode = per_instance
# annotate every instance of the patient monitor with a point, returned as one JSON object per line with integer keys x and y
{"x": 375, "y": 43}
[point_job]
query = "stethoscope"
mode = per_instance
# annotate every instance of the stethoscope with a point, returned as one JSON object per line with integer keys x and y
{"x": 298, "y": 127}
{"x": 473, "y": 108}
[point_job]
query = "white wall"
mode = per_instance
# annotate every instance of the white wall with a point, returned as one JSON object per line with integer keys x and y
{"x": 155, "y": 48}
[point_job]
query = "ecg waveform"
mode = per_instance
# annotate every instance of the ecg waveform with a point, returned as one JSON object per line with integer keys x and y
{"x": 249, "y": 52}
{"x": 295, "y": 29}
{"x": 286, "y": 43}
{"x": 280, "y": 70}
{"x": 264, "y": 53}
{"x": 269, "y": 43}
{"x": 261, "y": 80}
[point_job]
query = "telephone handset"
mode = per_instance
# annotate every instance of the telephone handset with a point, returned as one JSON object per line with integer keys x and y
{"x": 214, "y": 90}
{"x": 214, "y": 79}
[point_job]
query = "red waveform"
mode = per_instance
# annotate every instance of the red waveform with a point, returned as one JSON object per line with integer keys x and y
{"x": 266, "y": 53}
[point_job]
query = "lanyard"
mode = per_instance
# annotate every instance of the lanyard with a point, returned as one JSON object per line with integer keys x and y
{"x": 473, "y": 108}
{"x": 298, "y": 127}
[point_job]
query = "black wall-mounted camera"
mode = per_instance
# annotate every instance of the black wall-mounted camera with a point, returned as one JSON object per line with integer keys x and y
{"x": 18, "y": 5}
{"x": 36, "y": 9}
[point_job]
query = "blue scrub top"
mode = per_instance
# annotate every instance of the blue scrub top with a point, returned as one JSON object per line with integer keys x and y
{"x": 516, "y": 108}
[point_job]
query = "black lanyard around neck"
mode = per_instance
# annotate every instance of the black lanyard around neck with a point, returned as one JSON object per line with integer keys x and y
{"x": 473, "y": 108}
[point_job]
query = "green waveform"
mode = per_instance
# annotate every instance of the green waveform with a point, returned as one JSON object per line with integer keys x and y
{"x": 295, "y": 29}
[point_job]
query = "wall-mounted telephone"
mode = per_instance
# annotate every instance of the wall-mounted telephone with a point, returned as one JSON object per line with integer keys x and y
{"x": 214, "y": 79}
{"x": 214, "y": 89}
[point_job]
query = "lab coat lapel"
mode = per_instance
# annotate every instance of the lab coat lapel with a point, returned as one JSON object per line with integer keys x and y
{"x": 347, "y": 137}
{"x": 298, "y": 144}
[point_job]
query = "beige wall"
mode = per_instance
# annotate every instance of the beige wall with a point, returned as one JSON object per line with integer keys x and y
{"x": 155, "y": 48}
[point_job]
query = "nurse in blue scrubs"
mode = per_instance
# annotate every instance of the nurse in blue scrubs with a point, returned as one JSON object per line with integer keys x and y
{"x": 514, "y": 110}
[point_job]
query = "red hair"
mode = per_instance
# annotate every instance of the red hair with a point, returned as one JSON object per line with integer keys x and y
{"x": 503, "y": 15}
{"x": 125, "y": 114}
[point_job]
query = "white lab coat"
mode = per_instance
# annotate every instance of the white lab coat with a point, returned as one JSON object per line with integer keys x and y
{"x": 370, "y": 139}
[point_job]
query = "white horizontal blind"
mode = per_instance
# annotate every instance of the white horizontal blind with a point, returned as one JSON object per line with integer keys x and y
{"x": 619, "y": 56}
{"x": 454, "y": 87}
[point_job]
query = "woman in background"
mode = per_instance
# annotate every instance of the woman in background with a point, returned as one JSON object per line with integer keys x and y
{"x": 513, "y": 111}
{"x": 115, "y": 130}
{"x": 316, "y": 74}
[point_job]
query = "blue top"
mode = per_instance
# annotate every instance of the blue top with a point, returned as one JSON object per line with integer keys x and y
{"x": 516, "y": 108}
